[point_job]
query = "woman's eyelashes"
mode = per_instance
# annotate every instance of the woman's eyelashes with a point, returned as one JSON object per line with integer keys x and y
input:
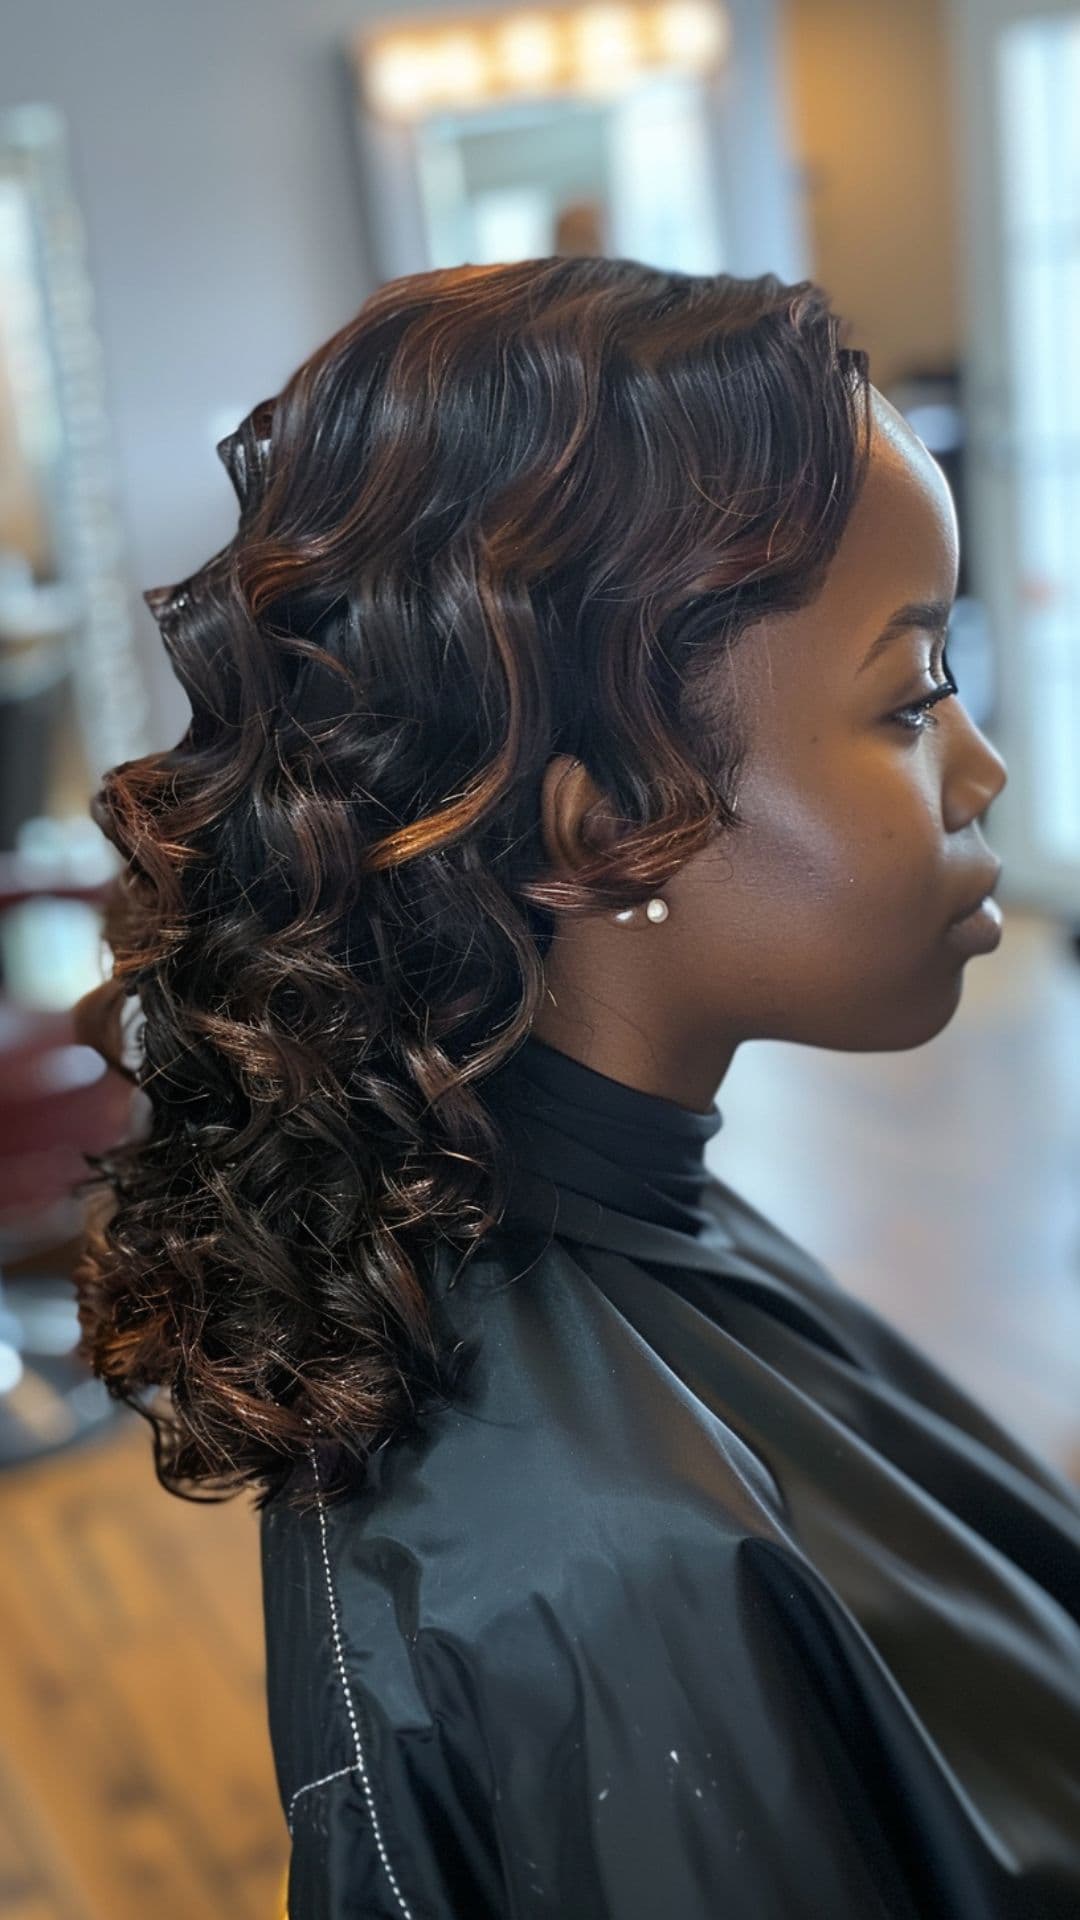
{"x": 917, "y": 717}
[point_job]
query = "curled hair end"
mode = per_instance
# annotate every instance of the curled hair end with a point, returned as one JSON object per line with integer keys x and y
{"x": 243, "y": 452}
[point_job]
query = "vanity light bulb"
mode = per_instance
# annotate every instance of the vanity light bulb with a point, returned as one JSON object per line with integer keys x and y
{"x": 459, "y": 67}
{"x": 398, "y": 77}
{"x": 606, "y": 44}
{"x": 691, "y": 30}
{"x": 527, "y": 51}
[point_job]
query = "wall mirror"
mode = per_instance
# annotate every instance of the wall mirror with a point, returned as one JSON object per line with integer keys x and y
{"x": 590, "y": 129}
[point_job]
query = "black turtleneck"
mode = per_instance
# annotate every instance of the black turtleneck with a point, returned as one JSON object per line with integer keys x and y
{"x": 594, "y": 1136}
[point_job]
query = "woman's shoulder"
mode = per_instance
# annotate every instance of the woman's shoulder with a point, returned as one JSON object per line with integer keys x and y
{"x": 576, "y": 1471}
{"x": 571, "y": 1435}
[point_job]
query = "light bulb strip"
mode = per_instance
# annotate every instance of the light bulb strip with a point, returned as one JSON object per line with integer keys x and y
{"x": 472, "y": 62}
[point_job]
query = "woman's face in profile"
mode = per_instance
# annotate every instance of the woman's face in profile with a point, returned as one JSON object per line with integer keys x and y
{"x": 864, "y": 836}
{"x": 825, "y": 919}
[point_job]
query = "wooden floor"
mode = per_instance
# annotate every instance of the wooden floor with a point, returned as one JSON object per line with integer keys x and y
{"x": 135, "y": 1773}
{"x": 135, "y": 1770}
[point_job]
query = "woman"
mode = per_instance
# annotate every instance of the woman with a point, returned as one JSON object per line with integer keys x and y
{"x": 569, "y": 708}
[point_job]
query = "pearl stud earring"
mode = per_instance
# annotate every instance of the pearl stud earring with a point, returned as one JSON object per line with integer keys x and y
{"x": 656, "y": 910}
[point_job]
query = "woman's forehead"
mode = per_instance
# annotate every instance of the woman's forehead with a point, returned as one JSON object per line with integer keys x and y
{"x": 902, "y": 533}
{"x": 899, "y": 545}
{"x": 900, "y": 461}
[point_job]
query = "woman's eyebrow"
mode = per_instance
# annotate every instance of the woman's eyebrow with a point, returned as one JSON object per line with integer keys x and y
{"x": 931, "y": 615}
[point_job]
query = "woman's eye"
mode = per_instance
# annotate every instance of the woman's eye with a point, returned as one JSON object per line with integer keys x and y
{"x": 917, "y": 717}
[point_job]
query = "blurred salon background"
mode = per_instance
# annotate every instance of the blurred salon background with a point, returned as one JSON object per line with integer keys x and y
{"x": 191, "y": 199}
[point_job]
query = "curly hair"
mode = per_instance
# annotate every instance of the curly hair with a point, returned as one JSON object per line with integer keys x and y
{"x": 505, "y": 512}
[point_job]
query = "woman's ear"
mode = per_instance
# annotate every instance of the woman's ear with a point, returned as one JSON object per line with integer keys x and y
{"x": 575, "y": 818}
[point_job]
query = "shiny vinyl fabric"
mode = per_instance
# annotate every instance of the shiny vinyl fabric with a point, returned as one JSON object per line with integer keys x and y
{"x": 713, "y": 1598}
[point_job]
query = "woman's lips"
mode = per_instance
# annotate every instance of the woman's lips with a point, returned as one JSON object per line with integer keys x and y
{"x": 979, "y": 931}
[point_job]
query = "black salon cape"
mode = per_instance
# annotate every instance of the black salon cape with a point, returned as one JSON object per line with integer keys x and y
{"x": 716, "y": 1601}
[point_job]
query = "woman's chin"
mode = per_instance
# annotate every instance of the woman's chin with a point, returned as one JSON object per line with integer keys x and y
{"x": 911, "y": 1022}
